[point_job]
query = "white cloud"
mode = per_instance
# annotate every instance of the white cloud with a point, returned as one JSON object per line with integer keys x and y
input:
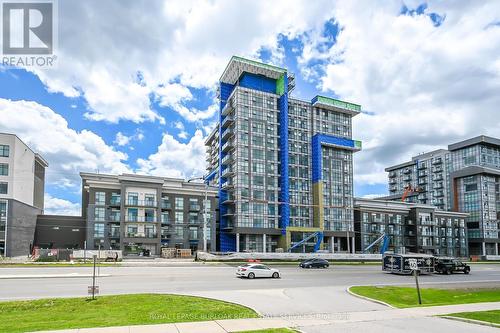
{"x": 176, "y": 159}
{"x": 67, "y": 151}
{"x": 427, "y": 86}
{"x": 123, "y": 140}
{"x": 169, "y": 47}
{"x": 56, "y": 206}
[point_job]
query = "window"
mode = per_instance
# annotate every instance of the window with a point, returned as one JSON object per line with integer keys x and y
{"x": 179, "y": 203}
{"x": 132, "y": 214}
{"x": 149, "y": 200}
{"x": 4, "y": 151}
{"x": 193, "y": 233}
{"x": 133, "y": 198}
{"x": 99, "y": 230}
{"x": 4, "y": 169}
{"x": 179, "y": 217}
{"x": 179, "y": 232}
{"x": 149, "y": 215}
{"x": 100, "y": 198}
{"x": 99, "y": 213}
{"x": 193, "y": 218}
{"x": 3, "y": 188}
{"x": 115, "y": 198}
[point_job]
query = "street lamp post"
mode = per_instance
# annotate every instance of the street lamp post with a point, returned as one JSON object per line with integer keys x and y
{"x": 204, "y": 212}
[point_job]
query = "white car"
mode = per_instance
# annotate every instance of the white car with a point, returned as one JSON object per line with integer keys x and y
{"x": 257, "y": 270}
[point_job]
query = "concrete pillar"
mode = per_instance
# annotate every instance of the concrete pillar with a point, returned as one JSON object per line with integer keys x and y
{"x": 264, "y": 243}
{"x": 496, "y": 249}
{"x": 483, "y": 248}
{"x": 353, "y": 245}
{"x": 237, "y": 242}
{"x": 332, "y": 244}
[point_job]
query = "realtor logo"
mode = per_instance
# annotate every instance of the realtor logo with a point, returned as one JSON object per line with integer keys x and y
{"x": 28, "y": 33}
{"x": 27, "y": 28}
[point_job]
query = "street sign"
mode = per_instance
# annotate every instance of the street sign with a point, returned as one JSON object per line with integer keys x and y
{"x": 93, "y": 290}
{"x": 413, "y": 264}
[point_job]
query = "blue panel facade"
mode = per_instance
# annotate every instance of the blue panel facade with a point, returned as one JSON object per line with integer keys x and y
{"x": 284, "y": 196}
{"x": 317, "y": 158}
{"x": 258, "y": 82}
{"x": 227, "y": 241}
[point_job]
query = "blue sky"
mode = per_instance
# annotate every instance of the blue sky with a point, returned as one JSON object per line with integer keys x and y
{"x": 142, "y": 98}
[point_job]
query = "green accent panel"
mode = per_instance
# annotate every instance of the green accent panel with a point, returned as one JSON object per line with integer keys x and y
{"x": 256, "y": 63}
{"x": 280, "y": 85}
{"x": 338, "y": 103}
{"x": 357, "y": 144}
{"x": 318, "y": 209}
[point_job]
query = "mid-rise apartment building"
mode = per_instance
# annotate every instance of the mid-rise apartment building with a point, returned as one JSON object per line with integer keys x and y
{"x": 411, "y": 227}
{"x": 133, "y": 213}
{"x": 464, "y": 178}
{"x": 283, "y": 165}
{"x": 22, "y": 182}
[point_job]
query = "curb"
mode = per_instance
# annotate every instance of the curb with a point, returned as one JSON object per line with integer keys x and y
{"x": 471, "y": 321}
{"x": 72, "y": 276}
{"x": 348, "y": 289}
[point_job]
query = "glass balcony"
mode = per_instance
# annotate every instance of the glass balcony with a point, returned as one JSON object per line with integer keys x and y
{"x": 133, "y": 218}
{"x": 166, "y": 204}
{"x": 194, "y": 207}
{"x": 141, "y": 203}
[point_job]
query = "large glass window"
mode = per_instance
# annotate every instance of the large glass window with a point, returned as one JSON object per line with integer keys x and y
{"x": 149, "y": 200}
{"x": 4, "y": 151}
{"x": 133, "y": 198}
{"x": 179, "y": 232}
{"x": 99, "y": 213}
{"x": 132, "y": 214}
{"x": 4, "y": 169}
{"x": 100, "y": 198}
{"x": 3, "y": 188}
{"x": 179, "y": 217}
{"x": 99, "y": 230}
{"x": 179, "y": 203}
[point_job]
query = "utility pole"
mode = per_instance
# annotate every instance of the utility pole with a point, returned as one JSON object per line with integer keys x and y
{"x": 93, "y": 280}
{"x": 205, "y": 219}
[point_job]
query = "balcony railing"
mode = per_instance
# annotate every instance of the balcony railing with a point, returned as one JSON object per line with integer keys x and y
{"x": 141, "y": 235}
{"x": 132, "y": 218}
{"x": 166, "y": 205}
{"x": 194, "y": 207}
{"x": 141, "y": 203}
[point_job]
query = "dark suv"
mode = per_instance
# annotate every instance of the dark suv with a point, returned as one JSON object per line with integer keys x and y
{"x": 450, "y": 266}
{"x": 314, "y": 263}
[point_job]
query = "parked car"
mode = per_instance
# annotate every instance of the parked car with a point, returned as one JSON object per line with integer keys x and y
{"x": 256, "y": 271}
{"x": 314, "y": 263}
{"x": 450, "y": 266}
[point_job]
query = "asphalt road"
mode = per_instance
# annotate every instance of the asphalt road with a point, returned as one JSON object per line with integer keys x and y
{"x": 300, "y": 293}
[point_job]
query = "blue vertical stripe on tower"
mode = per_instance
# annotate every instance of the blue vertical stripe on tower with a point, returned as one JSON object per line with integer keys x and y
{"x": 227, "y": 241}
{"x": 284, "y": 198}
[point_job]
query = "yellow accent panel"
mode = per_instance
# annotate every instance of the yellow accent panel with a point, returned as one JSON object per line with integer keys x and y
{"x": 318, "y": 211}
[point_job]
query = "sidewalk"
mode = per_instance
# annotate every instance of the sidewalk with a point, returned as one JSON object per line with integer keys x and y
{"x": 50, "y": 276}
{"x": 307, "y": 320}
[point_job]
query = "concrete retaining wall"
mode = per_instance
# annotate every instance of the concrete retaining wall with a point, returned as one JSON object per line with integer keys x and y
{"x": 242, "y": 256}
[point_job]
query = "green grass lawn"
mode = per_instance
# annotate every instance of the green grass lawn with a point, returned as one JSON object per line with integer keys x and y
{"x": 405, "y": 297}
{"x": 120, "y": 310}
{"x": 492, "y": 316}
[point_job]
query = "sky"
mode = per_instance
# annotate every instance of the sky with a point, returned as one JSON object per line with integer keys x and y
{"x": 134, "y": 87}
